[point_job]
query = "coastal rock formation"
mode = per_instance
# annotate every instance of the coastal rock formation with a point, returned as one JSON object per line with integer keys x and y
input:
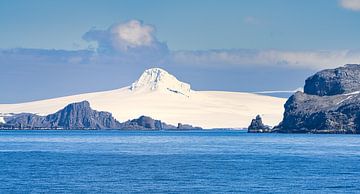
{"x": 147, "y": 123}
{"x": 334, "y": 81}
{"x": 330, "y": 104}
{"x": 142, "y": 123}
{"x": 81, "y": 116}
{"x": 73, "y": 116}
{"x": 186, "y": 127}
{"x": 257, "y": 126}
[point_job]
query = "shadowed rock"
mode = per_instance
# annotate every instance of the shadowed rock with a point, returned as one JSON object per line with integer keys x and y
{"x": 73, "y": 116}
{"x": 257, "y": 126}
{"x": 81, "y": 116}
{"x": 330, "y": 104}
{"x": 334, "y": 81}
{"x": 147, "y": 123}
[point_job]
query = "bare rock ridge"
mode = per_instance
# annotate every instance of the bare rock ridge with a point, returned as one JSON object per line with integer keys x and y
{"x": 73, "y": 116}
{"x": 330, "y": 103}
{"x": 81, "y": 116}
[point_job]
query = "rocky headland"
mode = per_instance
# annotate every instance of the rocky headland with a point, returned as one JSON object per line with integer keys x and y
{"x": 81, "y": 116}
{"x": 330, "y": 103}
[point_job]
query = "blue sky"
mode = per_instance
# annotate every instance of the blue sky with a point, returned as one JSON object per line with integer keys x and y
{"x": 61, "y": 47}
{"x": 252, "y": 24}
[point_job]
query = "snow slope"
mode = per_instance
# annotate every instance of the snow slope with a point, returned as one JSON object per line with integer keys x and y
{"x": 160, "y": 95}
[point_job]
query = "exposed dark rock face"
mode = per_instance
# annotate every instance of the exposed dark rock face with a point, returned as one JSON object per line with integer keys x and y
{"x": 25, "y": 120}
{"x": 147, "y": 123}
{"x": 257, "y": 126}
{"x": 334, "y": 81}
{"x": 330, "y": 104}
{"x": 187, "y": 127}
{"x": 81, "y": 116}
{"x": 73, "y": 116}
{"x": 143, "y": 123}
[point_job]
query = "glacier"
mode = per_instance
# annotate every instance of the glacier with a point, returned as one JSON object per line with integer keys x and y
{"x": 162, "y": 96}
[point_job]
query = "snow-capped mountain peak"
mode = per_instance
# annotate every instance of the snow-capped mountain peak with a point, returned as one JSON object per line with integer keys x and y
{"x": 157, "y": 79}
{"x": 160, "y": 95}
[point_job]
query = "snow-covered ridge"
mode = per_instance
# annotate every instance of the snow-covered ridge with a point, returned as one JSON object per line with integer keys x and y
{"x": 3, "y": 115}
{"x": 159, "y": 79}
{"x": 161, "y": 96}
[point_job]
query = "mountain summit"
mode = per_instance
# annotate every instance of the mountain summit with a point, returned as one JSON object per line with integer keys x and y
{"x": 161, "y": 96}
{"x": 157, "y": 79}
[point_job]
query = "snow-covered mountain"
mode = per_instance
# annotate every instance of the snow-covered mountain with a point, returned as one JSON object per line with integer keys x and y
{"x": 160, "y": 95}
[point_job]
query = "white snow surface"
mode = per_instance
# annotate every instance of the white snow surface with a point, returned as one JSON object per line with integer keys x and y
{"x": 352, "y": 93}
{"x": 160, "y": 95}
{"x": 2, "y": 117}
{"x": 156, "y": 79}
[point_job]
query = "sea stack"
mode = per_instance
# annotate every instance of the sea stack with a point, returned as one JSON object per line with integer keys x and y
{"x": 257, "y": 126}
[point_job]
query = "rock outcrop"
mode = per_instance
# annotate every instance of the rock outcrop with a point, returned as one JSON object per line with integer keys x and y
{"x": 81, "y": 116}
{"x": 147, "y": 123}
{"x": 331, "y": 82}
{"x": 187, "y": 127}
{"x": 143, "y": 123}
{"x": 257, "y": 126}
{"x": 330, "y": 104}
{"x": 73, "y": 116}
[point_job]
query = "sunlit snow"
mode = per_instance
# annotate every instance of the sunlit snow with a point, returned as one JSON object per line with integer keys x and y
{"x": 160, "y": 95}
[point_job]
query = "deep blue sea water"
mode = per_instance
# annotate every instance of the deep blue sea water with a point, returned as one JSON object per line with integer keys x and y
{"x": 177, "y": 162}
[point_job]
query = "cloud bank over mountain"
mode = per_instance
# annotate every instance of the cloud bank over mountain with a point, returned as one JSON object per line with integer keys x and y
{"x": 134, "y": 41}
{"x": 125, "y": 49}
{"x": 280, "y": 58}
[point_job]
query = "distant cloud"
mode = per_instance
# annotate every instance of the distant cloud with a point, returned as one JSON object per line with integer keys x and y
{"x": 129, "y": 36}
{"x": 134, "y": 42}
{"x": 279, "y": 58}
{"x": 46, "y": 57}
{"x": 223, "y": 58}
{"x": 350, "y": 4}
{"x": 133, "y": 34}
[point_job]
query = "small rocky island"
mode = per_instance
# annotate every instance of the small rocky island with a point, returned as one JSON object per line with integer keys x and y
{"x": 330, "y": 103}
{"x": 257, "y": 126}
{"x": 81, "y": 116}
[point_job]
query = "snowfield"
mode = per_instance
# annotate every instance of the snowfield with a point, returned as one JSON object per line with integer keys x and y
{"x": 160, "y": 95}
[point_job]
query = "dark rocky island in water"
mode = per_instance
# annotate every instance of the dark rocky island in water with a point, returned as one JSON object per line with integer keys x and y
{"x": 81, "y": 116}
{"x": 330, "y": 103}
{"x": 257, "y": 126}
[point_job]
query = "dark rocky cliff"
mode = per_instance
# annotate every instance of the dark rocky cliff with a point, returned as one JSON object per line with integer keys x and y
{"x": 147, "y": 123}
{"x": 330, "y": 103}
{"x": 81, "y": 116}
{"x": 334, "y": 81}
{"x": 73, "y": 116}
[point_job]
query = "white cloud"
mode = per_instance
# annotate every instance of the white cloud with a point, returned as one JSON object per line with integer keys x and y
{"x": 350, "y": 4}
{"x": 137, "y": 41}
{"x": 298, "y": 59}
{"x": 133, "y": 34}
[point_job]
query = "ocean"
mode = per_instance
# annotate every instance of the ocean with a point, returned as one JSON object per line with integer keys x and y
{"x": 177, "y": 162}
